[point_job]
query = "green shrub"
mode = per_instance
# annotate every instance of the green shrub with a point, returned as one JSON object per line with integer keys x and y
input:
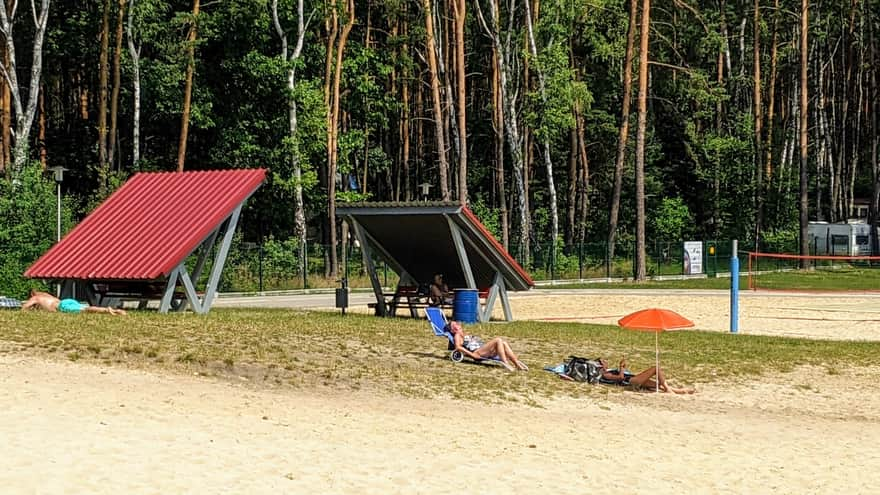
{"x": 27, "y": 227}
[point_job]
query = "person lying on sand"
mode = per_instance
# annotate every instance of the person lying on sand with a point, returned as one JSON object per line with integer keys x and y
{"x": 473, "y": 347}
{"x": 48, "y": 302}
{"x": 641, "y": 381}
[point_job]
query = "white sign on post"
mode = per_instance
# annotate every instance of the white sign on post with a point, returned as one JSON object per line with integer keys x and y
{"x": 693, "y": 257}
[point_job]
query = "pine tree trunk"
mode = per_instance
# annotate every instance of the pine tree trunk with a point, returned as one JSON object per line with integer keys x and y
{"x": 460, "y": 72}
{"x": 498, "y": 124}
{"x": 639, "y": 262}
{"x": 103, "y": 76}
{"x": 333, "y": 150}
{"x": 757, "y": 110}
{"x": 5, "y": 117}
{"x": 803, "y": 206}
{"x": 583, "y": 181}
{"x": 114, "y": 96}
{"x": 623, "y": 135}
{"x": 439, "y": 136}
{"x": 187, "y": 89}
{"x": 404, "y": 124}
{"x": 771, "y": 100}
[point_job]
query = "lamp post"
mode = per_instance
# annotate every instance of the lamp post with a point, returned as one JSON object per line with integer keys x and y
{"x": 58, "y": 170}
{"x": 425, "y": 189}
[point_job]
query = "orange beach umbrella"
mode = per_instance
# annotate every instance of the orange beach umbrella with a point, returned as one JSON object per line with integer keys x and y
{"x": 654, "y": 320}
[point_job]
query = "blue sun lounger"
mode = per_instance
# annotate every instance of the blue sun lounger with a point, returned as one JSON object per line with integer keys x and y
{"x": 440, "y": 327}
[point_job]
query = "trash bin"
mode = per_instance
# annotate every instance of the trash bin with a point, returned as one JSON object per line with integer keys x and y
{"x": 466, "y": 305}
{"x": 342, "y": 295}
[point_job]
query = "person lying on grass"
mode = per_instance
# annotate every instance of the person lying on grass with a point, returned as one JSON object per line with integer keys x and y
{"x": 48, "y": 302}
{"x": 641, "y": 381}
{"x": 473, "y": 347}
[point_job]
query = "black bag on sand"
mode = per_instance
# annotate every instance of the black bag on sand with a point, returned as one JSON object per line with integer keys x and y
{"x": 583, "y": 370}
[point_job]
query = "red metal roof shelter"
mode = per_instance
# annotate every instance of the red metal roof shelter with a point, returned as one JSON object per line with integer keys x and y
{"x": 418, "y": 240}
{"x": 136, "y": 243}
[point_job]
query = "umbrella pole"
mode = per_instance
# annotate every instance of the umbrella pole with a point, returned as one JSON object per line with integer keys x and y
{"x": 657, "y": 361}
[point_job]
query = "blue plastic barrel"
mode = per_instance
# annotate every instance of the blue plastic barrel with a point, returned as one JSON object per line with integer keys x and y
{"x": 466, "y": 305}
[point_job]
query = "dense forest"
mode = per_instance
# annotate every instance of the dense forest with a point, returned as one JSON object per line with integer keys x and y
{"x": 558, "y": 121}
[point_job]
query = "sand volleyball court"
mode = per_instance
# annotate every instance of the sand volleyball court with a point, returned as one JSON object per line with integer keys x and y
{"x": 837, "y": 316}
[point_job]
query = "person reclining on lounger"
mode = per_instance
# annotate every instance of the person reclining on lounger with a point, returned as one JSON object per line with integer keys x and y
{"x": 48, "y": 302}
{"x": 474, "y": 348}
{"x": 440, "y": 293}
{"x": 641, "y": 381}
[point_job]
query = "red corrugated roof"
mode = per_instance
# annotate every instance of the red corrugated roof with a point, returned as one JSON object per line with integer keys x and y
{"x": 148, "y": 226}
{"x": 491, "y": 238}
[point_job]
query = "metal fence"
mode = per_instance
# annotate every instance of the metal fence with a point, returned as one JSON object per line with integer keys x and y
{"x": 277, "y": 265}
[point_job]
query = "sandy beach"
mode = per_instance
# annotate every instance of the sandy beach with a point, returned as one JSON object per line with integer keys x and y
{"x": 80, "y": 428}
{"x": 815, "y": 316}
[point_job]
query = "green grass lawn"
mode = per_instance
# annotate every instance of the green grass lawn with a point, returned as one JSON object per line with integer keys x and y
{"x": 314, "y": 350}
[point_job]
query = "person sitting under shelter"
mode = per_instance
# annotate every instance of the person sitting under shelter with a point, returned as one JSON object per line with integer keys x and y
{"x": 641, "y": 381}
{"x": 48, "y": 302}
{"x": 440, "y": 293}
{"x": 473, "y": 347}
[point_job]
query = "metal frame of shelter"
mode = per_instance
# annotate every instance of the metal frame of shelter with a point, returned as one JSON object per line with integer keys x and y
{"x": 171, "y": 282}
{"x": 466, "y": 233}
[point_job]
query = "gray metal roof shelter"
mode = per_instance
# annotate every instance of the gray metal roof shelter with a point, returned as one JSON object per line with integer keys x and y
{"x": 418, "y": 240}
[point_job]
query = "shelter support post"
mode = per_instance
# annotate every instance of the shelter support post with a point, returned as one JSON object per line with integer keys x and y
{"x": 462, "y": 254}
{"x": 366, "y": 252}
{"x": 497, "y": 290}
{"x": 181, "y": 274}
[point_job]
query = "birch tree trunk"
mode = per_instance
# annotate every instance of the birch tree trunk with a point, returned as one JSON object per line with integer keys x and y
{"x": 25, "y": 111}
{"x": 187, "y": 88}
{"x": 545, "y": 142}
{"x": 498, "y": 124}
{"x": 623, "y": 135}
{"x": 639, "y": 262}
{"x": 134, "y": 51}
{"x": 511, "y": 127}
{"x": 299, "y": 218}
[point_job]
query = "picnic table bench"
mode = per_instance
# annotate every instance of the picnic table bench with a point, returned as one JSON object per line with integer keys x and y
{"x": 112, "y": 294}
{"x": 409, "y": 296}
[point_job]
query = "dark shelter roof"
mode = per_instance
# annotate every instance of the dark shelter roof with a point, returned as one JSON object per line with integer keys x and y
{"x": 417, "y": 238}
{"x": 148, "y": 226}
